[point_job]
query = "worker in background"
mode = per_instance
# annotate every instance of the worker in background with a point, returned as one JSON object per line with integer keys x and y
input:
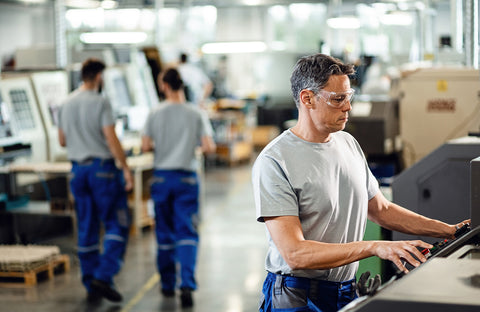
{"x": 87, "y": 129}
{"x": 198, "y": 87}
{"x": 174, "y": 130}
{"x": 314, "y": 191}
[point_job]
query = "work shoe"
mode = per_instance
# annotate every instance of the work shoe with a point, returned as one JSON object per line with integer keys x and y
{"x": 168, "y": 292}
{"x": 94, "y": 298}
{"x": 106, "y": 290}
{"x": 186, "y": 298}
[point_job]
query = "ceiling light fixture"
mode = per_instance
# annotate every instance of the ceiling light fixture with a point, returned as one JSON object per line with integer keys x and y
{"x": 233, "y": 47}
{"x": 109, "y": 4}
{"x": 344, "y": 22}
{"x": 113, "y": 37}
{"x": 82, "y": 4}
{"x": 396, "y": 19}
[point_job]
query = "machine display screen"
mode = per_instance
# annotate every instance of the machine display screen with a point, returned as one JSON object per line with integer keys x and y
{"x": 21, "y": 109}
{"x": 122, "y": 98}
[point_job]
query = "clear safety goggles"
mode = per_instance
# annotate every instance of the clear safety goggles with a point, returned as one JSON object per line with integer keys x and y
{"x": 337, "y": 99}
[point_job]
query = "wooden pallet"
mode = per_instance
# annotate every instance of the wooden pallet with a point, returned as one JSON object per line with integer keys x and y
{"x": 29, "y": 278}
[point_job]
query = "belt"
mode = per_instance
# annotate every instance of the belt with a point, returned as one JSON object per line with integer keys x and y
{"x": 91, "y": 160}
{"x": 306, "y": 283}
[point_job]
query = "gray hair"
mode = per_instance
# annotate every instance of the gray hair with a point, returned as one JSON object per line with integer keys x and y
{"x": 312, "y": 72}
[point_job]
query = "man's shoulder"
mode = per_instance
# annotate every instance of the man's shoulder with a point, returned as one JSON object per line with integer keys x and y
{"x": 348, "y": 140}
{"x": 344, "y": 136}
{"x": 277, "y": 147}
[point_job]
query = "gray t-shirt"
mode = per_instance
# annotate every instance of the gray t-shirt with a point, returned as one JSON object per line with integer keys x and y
{"x": 82, "y": 117}
{"x": 327, "y": 185}
{"x": 176, "y": 130}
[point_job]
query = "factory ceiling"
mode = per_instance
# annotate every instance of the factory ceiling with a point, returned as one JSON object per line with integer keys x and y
{"x": 216, "y": 3}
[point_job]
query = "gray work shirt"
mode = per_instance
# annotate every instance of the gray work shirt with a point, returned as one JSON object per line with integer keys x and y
{"x": 82, "y": 118}
{"x": 327, "y": 185}
{"x": 176, "y": 130}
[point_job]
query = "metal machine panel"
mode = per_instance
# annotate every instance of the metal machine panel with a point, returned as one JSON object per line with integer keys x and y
{"x": 448, "y": 281}
{"x": 475, "y": 191}
{"x": 438, "y": 186}
{"x": 10, "y": 143}
{"x": 20, "y": 99}
{"x": 8, "y": 134}
{"x": 142, "y": 88}
{"x": 51, "y": 89}
{"x": 373, "y": 122}
{"x": 437, "y": 105}
{"x": 117, "y": 91}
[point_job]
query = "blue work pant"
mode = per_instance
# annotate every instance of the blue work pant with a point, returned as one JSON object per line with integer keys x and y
{"x": 98, "y": 188}
{"x": 292, "y": 294}
{"x": 175, "y": 195}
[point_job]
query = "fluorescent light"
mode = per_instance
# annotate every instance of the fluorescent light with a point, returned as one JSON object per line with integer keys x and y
{"x": 343, "y": 22}
{"x": 33, "y": 1}
{"x": 233, "y": 47}
{"x": 399, "y": 18}
{"x": 82, "y": 4}
{"x": 278, "y": 45}
{"x": 113, "y": 37}
{"x": 109, "y": 4}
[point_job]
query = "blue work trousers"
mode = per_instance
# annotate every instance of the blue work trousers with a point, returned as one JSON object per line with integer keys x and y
{"x": 98, "y": 189}
{"x": 175, "y": 194}
{"x": 292, "y": 294}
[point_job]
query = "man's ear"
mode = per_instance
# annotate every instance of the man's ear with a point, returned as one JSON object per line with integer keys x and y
{"x": 306, "y": 98}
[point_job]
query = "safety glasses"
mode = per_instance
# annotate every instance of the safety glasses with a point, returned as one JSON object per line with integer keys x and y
{"x": 337, "y": 99}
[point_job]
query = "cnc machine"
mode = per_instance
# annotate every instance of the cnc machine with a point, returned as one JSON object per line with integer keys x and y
{"x": 51, "y": 88}
{"x": 19, "y": 96}
{"x": 448, "y": 281}
{"x": 437, "y": 105}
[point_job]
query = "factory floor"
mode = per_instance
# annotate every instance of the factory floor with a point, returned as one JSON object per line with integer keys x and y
{"x": 230, "y": 267}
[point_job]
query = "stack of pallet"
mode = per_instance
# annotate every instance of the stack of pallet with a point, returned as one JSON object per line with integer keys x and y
{"x": 19, "y": 262}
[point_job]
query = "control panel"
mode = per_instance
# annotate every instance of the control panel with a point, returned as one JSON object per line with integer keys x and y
{"x": 441, "y": 245}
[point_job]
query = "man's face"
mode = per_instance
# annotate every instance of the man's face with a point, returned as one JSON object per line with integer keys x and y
{"x": 329, "y": 118}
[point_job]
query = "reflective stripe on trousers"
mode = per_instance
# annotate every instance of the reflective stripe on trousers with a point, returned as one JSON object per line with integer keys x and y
{"x": 290, "y": 293}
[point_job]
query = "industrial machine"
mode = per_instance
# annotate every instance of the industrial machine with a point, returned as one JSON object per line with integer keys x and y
{"x": 436, "y": 105}
{"x": 132, "y": 94}
{"x": 20, "y": 99}
{"x": 438, "y": 185}
{"x": 51, "y": 89}
{"x": 448, "y": 281}
{"x": 11, "y": 145}
{"x": 475, "y": 191}
{"x": 141, "y": 82}
{"x": 30, "y": 191}
{"x": 373, "y": 121}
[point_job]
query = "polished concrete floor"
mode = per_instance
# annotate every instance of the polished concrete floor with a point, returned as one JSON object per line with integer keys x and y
{"x": 230, "y": 268}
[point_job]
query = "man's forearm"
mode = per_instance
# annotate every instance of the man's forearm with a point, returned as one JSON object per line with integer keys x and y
{"x": 397, "y": 218}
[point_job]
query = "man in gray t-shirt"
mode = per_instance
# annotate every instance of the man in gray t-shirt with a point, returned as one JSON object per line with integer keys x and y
{"x": 87, "y": 128}
{"x": 314, "y": 192}
{"x": 174, "y": 130}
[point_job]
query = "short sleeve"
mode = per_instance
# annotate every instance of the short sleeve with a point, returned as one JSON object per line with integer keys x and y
{"x": 107, "y": 114}
{"x": 372, "y": 185}
{"x": 147, "y": 127}
{"x": 273, "y": 193}
{"x": 207, "y": 129}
